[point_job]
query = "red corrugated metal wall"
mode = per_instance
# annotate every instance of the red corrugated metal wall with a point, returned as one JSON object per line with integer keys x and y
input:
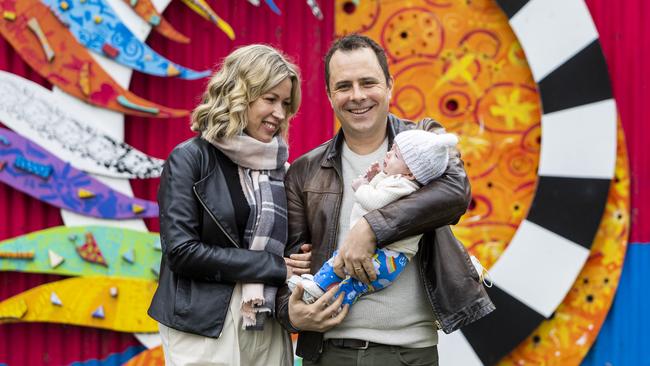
{"x": 304, "y": 38}
{"x": 625, "y": 36}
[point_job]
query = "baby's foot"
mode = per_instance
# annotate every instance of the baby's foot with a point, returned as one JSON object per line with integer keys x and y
{"x": 293, "y": 281}
{"x": 312, "y": 291}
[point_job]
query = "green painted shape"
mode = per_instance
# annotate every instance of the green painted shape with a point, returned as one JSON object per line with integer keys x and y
{"x": 113, "y": 242}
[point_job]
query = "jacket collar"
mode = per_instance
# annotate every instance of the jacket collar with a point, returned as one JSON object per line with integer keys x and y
{"x": 333, "y": 153}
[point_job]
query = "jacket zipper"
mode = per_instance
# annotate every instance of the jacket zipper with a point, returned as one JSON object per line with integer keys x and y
{"x": 214, "y": 218}
{"x": 426, "y": 290}
{"x": 338, "y": 210}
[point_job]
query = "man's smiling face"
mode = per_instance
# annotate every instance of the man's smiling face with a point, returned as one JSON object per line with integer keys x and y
{"x": 358, "y": 93}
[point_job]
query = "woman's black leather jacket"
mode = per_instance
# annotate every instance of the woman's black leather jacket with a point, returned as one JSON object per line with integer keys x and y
{"x": 202, "y": 257}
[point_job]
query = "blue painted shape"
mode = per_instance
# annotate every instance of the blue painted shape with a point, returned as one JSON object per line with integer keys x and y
{"x": 32, "y": 167}
{"x": 124, "y": 102}
{"x": 99, "y": 312}
{"x": 624, "y": 338}
{"x": 273, "y": 6}
{"x": 114, "y": 359}
{"x": 129, "y": 256}
{"x": 154, "y": 20}
{"x": 4, "y": 140}
{"x": 94, "y": 23}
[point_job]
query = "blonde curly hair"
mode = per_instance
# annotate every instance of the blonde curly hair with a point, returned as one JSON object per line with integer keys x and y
{"x": 245, "y": 75}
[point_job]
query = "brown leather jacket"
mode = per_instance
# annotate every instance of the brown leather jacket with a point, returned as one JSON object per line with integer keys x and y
{"x": 314, "y": 193}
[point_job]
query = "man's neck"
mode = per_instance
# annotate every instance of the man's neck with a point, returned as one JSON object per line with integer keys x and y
{"x": 364, "y": 145}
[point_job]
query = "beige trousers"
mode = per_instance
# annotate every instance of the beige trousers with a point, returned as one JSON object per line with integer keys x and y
{"x": 235, "y": 346}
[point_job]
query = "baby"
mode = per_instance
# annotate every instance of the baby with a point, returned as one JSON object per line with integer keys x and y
{"x": 416, "y": 158}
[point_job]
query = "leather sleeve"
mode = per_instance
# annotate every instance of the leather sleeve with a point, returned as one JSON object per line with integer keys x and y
{"x": 298, "y": 235}
{"x": 441, "y": 202}
{"x": 180, "y": 228}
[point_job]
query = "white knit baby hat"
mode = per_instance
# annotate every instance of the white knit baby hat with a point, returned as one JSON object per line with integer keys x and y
{"x": 425, "y": 153}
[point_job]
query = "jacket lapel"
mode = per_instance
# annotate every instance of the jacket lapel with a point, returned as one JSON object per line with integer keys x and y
{"x": 213, "y": 192}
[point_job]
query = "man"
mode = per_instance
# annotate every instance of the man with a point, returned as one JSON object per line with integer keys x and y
{"x": 437, "y": 290}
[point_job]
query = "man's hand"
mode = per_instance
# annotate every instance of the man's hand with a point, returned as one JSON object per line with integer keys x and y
{"x": 355, "y": 254}
{"x": 299, "y": 263}
{"x": 319, "y": 316}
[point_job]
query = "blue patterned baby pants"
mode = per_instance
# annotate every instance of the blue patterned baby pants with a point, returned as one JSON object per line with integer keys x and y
{"x": 388, "y": 265}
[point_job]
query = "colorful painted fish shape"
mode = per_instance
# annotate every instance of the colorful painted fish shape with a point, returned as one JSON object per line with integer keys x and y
{"x": 146, "y": 11}
{"x": 86, "y": 301}
{"x": 127, "y": 253}
{"x": 71, "y": 67}
{"x": 34, "y": 112}
{"x": 35, "y": 171}
{"x": 95, "y": 24}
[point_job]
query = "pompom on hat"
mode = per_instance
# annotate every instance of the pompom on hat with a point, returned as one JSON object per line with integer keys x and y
{"x": 425, "y": 153}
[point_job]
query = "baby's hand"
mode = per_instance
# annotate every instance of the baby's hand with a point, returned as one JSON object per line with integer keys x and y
{"x": 358, "y": 182}
{"x": 372, "y": 171}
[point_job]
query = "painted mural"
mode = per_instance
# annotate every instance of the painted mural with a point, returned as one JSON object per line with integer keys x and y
{"x": 457, "y": 61}
{"x": 461, "y": 63}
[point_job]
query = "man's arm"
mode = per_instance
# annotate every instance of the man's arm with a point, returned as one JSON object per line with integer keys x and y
{"x": 441, "y": 202}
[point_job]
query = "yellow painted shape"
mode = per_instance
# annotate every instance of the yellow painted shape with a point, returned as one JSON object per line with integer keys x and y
{"x": 84, "y": 84}
{"x": 9, "y": 15}
{"x": 203, "y": 9}
{"x": 83, "y": 295}
{"x": 15, "y": 311}
{"x": 98, "y": 19}
{"x": 137, "y": 209}
{"x": 17, "y": 255}
{"x": 172, "y": 70}
{"x": 64, "y": 5}
{"x": 83, "y": 193}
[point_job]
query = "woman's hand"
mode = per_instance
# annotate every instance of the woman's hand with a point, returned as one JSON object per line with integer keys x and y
{"x": 299, "y": 263}
{"x": 319, "y": 316}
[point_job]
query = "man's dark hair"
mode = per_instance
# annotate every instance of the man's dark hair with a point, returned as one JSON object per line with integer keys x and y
{"x": 353, "y": 42}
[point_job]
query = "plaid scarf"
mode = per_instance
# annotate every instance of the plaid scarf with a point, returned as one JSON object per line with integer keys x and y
{"x": 262, "y": 167}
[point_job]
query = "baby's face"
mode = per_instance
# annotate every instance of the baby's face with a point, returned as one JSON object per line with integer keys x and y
{"x": 394, "y": 163}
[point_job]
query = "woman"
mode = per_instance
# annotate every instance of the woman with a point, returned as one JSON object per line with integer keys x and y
{"x": 222, "y": 254}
